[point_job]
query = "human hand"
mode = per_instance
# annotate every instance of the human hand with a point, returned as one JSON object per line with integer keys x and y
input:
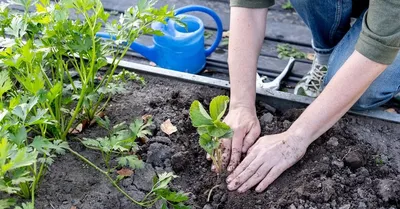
{"x": 266, "y": 161}
{"x": 246, "y": 129}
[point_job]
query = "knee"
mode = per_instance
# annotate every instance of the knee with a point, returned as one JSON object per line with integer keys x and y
{"x": 372, "y": 99}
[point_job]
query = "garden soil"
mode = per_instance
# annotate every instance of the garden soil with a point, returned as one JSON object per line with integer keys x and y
{"x": 356, "y": 164}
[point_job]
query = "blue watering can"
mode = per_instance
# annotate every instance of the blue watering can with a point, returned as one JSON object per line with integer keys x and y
{"x": 180, "y": 48}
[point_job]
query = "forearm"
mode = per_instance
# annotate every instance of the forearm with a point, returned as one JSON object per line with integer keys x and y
{"x": 247, "y": 30}
{"x": 343, "y": 91}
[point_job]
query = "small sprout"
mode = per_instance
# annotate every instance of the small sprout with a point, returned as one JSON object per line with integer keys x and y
{"x": 211, "y": 128}
{"x": 287, "y": 51}
{"x": 287, "y": 5}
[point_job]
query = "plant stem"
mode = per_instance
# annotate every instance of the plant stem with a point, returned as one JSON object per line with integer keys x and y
{"x": 107, "y": 175}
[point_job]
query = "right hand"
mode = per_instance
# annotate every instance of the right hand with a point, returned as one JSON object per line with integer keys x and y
{"x": 246, "y": 129}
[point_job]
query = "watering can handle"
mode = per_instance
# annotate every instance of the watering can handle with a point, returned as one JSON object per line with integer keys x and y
{"x": 197, "y": 8}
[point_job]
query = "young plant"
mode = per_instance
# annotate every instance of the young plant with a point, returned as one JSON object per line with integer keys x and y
{"x": 288, "y": 5}
{"x": 211, "y": 128}
{"x": 121, "y": 141}
{"x": 287, "y": 51}
{"x": 161, "y": 192}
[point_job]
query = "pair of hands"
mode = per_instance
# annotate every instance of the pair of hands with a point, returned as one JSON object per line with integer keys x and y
{"x": 266, "y": 159}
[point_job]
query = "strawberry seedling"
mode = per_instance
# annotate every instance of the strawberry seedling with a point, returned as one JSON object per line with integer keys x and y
{"x": 211, "y": 128}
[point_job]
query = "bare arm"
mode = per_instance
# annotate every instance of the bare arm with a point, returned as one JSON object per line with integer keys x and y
{"x": 273, "y": 154}
{"x": 343, "y": 91}
{"x": 247, "y": 30}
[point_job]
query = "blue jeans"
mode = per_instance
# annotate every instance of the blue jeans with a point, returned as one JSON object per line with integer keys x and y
{"x": 329, "y": 22}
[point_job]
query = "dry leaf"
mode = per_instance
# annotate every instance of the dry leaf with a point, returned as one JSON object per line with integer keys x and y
{"x": 225, "y": 34}
{"x": 78, "y": 129}
{"x": 391, "y": 110}
{"x": 152, "y": 64}
{"x": 146, "y": 117}
{"x": 125, "y": 172}
{"x": 168, "y": 128}
{"x": 310, "y": 56}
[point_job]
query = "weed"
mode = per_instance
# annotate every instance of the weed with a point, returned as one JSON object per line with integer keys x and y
{"x": 287, "y": 51}
{"x": 287, "y": 5}
{"x": 210, "y": 127}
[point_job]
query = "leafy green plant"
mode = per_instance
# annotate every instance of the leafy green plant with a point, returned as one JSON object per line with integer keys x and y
{"x": 49, "y": 42}
{"x": 161, "y": 192}
{"x": 211, "y": 128}
{"x": 121, "y": 141}
{"x": 287, "y": 51}
{"x": 287, "y": 5}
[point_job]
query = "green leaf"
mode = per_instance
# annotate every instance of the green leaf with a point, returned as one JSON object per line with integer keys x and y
{"x": 219, "y": 129}
{"x": 208, "y": 144}
{"x": 5, "y": 82}
{"x": 164, "y": 205}
{"x": 172, "y": 196}
{"x": 19, "y": 137}
{"x": 7, "y": 203}
{"x": 26, "y": 206}
{"x": 38, "y": 118}
{"x": 202, "y": 130}
{"x": 199, "y": 116}
{"x": 218, "y": 107}
{"x": 180, "y": 206}
{"x": 131, "y": 160}
{"x": 163, "y": 180}
{"x": 3, "y": 114}
{"x": 19, "y": 180}
{"x": 54, "y": 92}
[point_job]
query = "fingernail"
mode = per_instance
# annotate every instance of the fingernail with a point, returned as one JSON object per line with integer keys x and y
{"x": 230, "y": 168}
{"x": 229, "y": 179}
{"x": 230, "y": 186}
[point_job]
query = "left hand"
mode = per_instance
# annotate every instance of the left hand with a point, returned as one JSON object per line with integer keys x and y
{"x": 266, "y": 161}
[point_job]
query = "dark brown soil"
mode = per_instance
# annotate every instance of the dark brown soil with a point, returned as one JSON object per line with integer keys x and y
{"x": 356, "y": 164}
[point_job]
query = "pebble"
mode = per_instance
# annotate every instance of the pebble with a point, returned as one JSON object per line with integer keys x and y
{"x": 362, "y": 205}
{"x": 292, "y": 207}
{"x": 208, "y": 206}
{"x": 339, "y": 164}
{"x": 354, "y": 160}
{"x": 266, "y": 119}
{"x": 347, "y": 206}
{"x": 333, "y": 141}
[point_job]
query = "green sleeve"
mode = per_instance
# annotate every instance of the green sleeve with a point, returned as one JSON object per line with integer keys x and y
{"x": 380, "y": 36}
{"x": 252, "y": 3}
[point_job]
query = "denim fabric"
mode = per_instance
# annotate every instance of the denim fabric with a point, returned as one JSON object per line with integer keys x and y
{"x": 329, "y": 22}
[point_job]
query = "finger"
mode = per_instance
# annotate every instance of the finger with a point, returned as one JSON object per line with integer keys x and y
{"x": 242, "y": 166}
{"x": 226, "y": 151}
{"x": 237, "y": 141}
{"x": 271, "y": 177}
{"x": 250, "y": 138}
{"x": 260, "y": 174}
{"x": 245, "y": 175}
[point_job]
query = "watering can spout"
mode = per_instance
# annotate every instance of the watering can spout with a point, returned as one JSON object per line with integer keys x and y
{"x": 147, "y": 52}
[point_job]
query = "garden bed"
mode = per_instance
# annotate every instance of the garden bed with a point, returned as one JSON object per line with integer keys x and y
{"x": 356, "y": 164}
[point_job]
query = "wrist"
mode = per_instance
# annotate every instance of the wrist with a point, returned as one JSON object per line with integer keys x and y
{"x": 246, "y": 104}
{"x": 300, "y": 134}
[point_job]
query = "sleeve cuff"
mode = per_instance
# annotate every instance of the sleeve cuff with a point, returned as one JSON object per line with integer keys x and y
{"x": 375, "y": 50}
{"x": 252, "y": 3}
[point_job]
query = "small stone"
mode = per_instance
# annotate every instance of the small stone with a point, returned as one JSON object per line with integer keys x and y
{"x": 362, "y": 205}
{"x": 292, "y": 206}
{"x": 347, "y": 206}
{"x": 179, "y": 161}
{"x": 266, "y": 119}
{"x": 208, "y": 206}
{"x": 287, "y": 124}
{"x": 333, "y": 141}
{"x": 339, "y": 164}
{"x": 354, "y": 160}
{"x": 258, "y": 202}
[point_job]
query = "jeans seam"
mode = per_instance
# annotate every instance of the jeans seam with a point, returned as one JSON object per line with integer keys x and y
{"x": 338, "y": 17}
